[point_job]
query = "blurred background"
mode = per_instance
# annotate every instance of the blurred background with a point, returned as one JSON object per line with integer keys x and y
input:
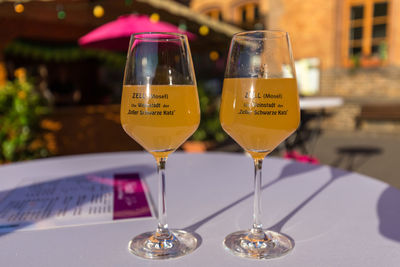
{"x": 60, "y": 95}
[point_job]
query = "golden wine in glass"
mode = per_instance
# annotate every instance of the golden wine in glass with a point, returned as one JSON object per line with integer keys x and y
{"x": 160, "y": 110}
{"x": 259, "y": 110}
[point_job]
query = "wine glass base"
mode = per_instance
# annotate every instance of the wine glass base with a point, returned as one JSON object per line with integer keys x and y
{"x": 272, "y": 245}
{"x": 178, "y": 244}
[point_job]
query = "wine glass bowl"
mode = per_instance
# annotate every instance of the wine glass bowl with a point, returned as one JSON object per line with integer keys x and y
{"x": 256, "y": 120}
{"x": 160, "y": 110}
{"x": 259, "y": 109}
{"x": 159, "y": 104}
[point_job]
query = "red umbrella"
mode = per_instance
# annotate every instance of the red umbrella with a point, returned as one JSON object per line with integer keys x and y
{"x": 115, "y": 35}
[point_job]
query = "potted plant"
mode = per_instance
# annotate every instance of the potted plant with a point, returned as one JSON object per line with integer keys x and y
{"x": 370, "y": 61}
{"x": 21, "y": 109}
{"x": 373, "y": 60}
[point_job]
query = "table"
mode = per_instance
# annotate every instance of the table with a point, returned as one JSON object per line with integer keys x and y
{"x": 320, "y": 102}
{"x": 336, "y": 218}
{"x": 312, "y": 109}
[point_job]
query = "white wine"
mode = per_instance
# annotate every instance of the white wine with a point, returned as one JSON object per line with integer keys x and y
{"x": 160, "y": 117}
{"x": 259, "y": 113}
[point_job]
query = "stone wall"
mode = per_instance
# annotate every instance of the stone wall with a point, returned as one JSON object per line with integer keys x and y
{"x": 358, "y": 87}
{"x": 364, "y": 85}
{"x": 341, "y": 118}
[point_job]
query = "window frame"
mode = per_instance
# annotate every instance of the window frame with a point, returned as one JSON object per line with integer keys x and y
{"x": 367, "y": 23}
{"x": 249, "y": 7}
{"x": 214, "y": 13}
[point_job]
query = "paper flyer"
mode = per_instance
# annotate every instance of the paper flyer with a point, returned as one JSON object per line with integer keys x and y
{"x": 77, "y": 200}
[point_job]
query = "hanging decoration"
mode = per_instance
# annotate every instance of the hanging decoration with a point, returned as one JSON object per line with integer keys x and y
{"x": 204, "y": 30}
{"x": 98, "y": 11}
{"x": 19, "y": 7}
{"x": 155, "y": 17}
{"x": 214, "y": 55}
{"x": 61, "y": 14}
{"x": 62, "y": 54}
{"x": 182, "y": 26}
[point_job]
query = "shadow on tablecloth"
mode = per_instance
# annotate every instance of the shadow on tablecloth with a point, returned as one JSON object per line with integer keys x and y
{"x": 388, "y": 210}
{"x": 292, "y": 169}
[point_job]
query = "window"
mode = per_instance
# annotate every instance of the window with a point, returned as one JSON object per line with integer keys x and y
{"x": 356, "y": 29}
{"x": 248, "y": 15}
{"x": 379, "y": 26}
{"x": 243, "y": 10}
{"x": 215, "y": 14}
{"x": 256, "y": 12}
{"x": 367, "y": 28}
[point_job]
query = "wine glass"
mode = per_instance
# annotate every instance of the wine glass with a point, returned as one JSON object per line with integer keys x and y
{"x": 259, "y": 109}
{"x": 160, "y": 110}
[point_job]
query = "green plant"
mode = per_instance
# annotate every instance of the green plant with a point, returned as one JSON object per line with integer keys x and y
{"x": 21, "y": 108}
{"x": 210, "y": 127}
{"x": 355, "y": 59}
{"x": 383, "y": 51}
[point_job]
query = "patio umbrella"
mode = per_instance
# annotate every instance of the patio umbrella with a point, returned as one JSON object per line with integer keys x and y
{"x": 115, "y": 35}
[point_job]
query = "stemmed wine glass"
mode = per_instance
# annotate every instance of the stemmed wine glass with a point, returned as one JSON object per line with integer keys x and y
{"x": 259, "y": 109}
{"x": 160, "y": 110}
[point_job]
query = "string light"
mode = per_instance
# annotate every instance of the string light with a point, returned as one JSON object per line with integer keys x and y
{"x": 61, "y": 14}
{"x": 154, "y": 17}
{"x": 204, "y": 30}
{"x": 19, "y": 8}
{"x": 98, "y": 11}
{"x": 214, "y": 56}
{"x": 182, "y": 26}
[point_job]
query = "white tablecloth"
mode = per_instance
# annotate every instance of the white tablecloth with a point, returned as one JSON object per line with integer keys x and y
{"x": 336, "y": 218}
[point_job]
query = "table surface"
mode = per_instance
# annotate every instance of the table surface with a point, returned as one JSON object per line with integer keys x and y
{"x": 336, "y": 218}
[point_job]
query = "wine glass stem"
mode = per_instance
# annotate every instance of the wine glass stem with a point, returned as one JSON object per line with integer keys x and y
{"x": 257, "y": 225}
{"x": 162, "y": 228}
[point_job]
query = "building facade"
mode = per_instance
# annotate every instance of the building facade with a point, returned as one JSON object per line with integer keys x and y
{"x": 250, "y": 14}
{"x": 356, "y": 42}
